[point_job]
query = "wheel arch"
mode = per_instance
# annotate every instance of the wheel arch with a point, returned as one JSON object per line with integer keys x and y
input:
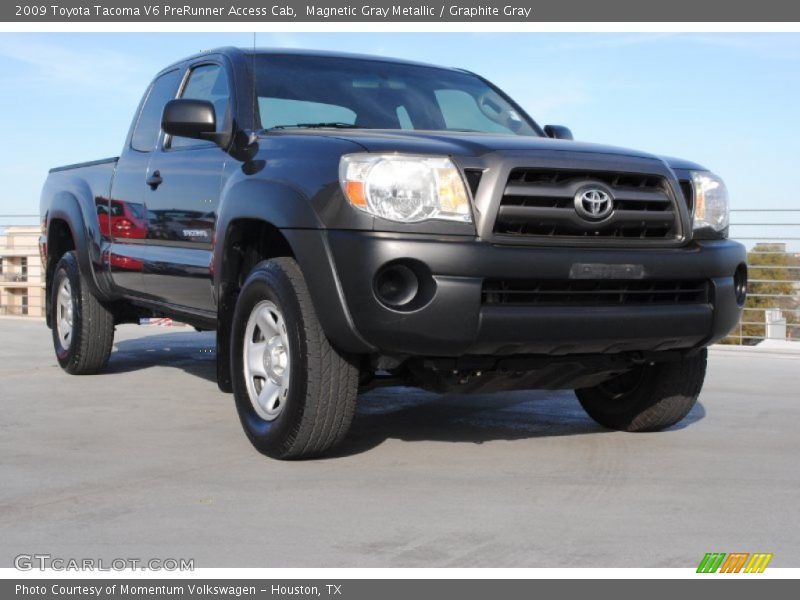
{"x": 263, "y": 220}
{"x": 66, "y": 231}
{"x": 60, "y": 240}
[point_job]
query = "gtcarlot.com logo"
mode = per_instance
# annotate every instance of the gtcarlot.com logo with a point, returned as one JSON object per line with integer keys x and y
{"x": 43, "y": 562}
{"x": 736, "y": 562}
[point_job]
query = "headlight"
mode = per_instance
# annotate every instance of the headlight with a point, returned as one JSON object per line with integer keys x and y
{"x": 710, "y": 202}
{"x": 405, "y": 188}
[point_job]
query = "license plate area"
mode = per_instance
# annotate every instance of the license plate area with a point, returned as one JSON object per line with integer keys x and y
{"x": 605, "y": 271}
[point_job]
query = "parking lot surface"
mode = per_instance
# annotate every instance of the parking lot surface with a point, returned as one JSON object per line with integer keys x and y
{"x": 148, "y": 461}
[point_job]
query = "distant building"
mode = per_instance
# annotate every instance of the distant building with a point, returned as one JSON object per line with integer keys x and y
{"x": 21, "y": 283}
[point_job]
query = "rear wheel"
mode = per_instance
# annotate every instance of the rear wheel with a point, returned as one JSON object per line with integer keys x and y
{"x": 650, "y": 397}
{"x": 83, "y": 329}
{"x": 295, "y": 393}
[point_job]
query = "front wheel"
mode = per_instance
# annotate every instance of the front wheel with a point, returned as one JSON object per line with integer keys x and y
{"x": 650, "y": 397}
{"x": 295, "y": 393}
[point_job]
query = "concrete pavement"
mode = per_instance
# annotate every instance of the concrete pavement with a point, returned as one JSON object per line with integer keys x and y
{"x": 148, "y": 460}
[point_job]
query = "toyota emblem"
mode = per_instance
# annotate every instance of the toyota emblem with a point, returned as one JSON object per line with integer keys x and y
{"x": 593, "y": 203}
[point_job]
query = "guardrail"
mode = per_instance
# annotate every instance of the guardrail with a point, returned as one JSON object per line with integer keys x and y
{"x": 772, "y": 311}
{"x": 19, "y": 221}
{"x": 772, "y": 236}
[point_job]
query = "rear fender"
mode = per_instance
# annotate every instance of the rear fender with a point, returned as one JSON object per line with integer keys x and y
{"x": 85, "y": 231}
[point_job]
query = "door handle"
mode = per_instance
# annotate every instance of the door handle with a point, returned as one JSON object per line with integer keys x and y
{"x": 154, "y": 180}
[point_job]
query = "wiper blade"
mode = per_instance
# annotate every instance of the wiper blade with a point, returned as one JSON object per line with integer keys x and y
{"x": 330, "y": 124}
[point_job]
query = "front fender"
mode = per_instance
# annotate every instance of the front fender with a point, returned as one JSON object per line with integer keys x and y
{"x": 291, "y": 212}
{"x": 278, "y": 204}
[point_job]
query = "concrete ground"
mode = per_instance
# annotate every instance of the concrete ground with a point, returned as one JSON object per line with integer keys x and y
{"x": 148, "y": 461}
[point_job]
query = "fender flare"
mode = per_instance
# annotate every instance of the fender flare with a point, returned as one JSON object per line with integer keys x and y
{"x": 277, "y": 204}
{"x": 292, "y": 213}
{"x": 85, "y": 230}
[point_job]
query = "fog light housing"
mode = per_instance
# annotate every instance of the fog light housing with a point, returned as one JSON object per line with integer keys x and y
{"x": 396, "y": 285}
{"x": 404, "y": 285}
{"x": 740, "y": 284}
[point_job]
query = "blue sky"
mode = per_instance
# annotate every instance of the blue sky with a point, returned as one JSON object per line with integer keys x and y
{"x": 727, "y": 101}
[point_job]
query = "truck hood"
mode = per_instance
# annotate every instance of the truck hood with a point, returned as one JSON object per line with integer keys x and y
{"x": 477, "y": 144}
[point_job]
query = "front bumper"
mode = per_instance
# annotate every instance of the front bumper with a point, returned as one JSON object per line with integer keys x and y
{"x": 455, "y": 322}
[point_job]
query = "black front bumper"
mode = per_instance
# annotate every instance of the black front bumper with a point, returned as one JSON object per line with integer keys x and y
{"x": 455, "y": 322}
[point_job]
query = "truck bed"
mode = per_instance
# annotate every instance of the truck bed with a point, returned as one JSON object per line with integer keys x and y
{"x": 81, "y": 186}
{"x": 91, "y": 163}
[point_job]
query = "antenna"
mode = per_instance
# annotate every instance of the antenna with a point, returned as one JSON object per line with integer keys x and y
{"x": 255, "y": 90}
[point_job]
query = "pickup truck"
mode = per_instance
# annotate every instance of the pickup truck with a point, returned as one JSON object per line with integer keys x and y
{"x": 345, "y": 222}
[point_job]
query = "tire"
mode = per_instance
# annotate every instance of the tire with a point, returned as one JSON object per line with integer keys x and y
{"x": 295, "y": 393}
{"x": 83, "y": 329}
{"x": 652, "y": 397}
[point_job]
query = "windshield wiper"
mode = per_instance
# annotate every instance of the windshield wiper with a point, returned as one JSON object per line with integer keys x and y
{"x": 331, "y": 124}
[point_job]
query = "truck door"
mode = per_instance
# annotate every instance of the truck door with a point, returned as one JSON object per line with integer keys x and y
{"x": 122, "y": 217}
{"x": 181, "y": 200}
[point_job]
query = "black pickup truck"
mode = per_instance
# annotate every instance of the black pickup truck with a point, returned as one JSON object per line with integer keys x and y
{"x": 344, "y": 222}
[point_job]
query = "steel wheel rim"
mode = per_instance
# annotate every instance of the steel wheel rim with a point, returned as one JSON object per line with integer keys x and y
{"x": 267, "y": 363}
{"x": 64, "y": 314}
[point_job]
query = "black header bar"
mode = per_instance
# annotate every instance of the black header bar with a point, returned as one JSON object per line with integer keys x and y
{"x": 111, "y": 11}
{"x": 731, "y": 587}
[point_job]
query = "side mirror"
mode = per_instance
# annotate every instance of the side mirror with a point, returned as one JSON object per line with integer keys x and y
{"x": 189, "y": 118}
{"x": 558, "y": 132}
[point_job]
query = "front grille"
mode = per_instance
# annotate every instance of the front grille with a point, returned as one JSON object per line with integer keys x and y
{"x": 592, "y": 292}
{"x": 541, "y": 203}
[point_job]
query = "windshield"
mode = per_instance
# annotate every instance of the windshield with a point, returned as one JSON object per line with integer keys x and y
{"x": 313, "y": 91}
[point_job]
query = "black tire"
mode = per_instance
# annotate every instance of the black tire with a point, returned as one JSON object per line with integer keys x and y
{"x": 323, "y": 383}
{"x": 87, "y": 347}
{"x": 652, "y": 397}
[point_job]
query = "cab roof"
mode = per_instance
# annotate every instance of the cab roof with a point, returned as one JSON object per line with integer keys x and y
{"x": 235, "y": 53}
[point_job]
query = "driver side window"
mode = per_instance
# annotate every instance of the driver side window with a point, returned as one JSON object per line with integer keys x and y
{"x": 206, "y": 82}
